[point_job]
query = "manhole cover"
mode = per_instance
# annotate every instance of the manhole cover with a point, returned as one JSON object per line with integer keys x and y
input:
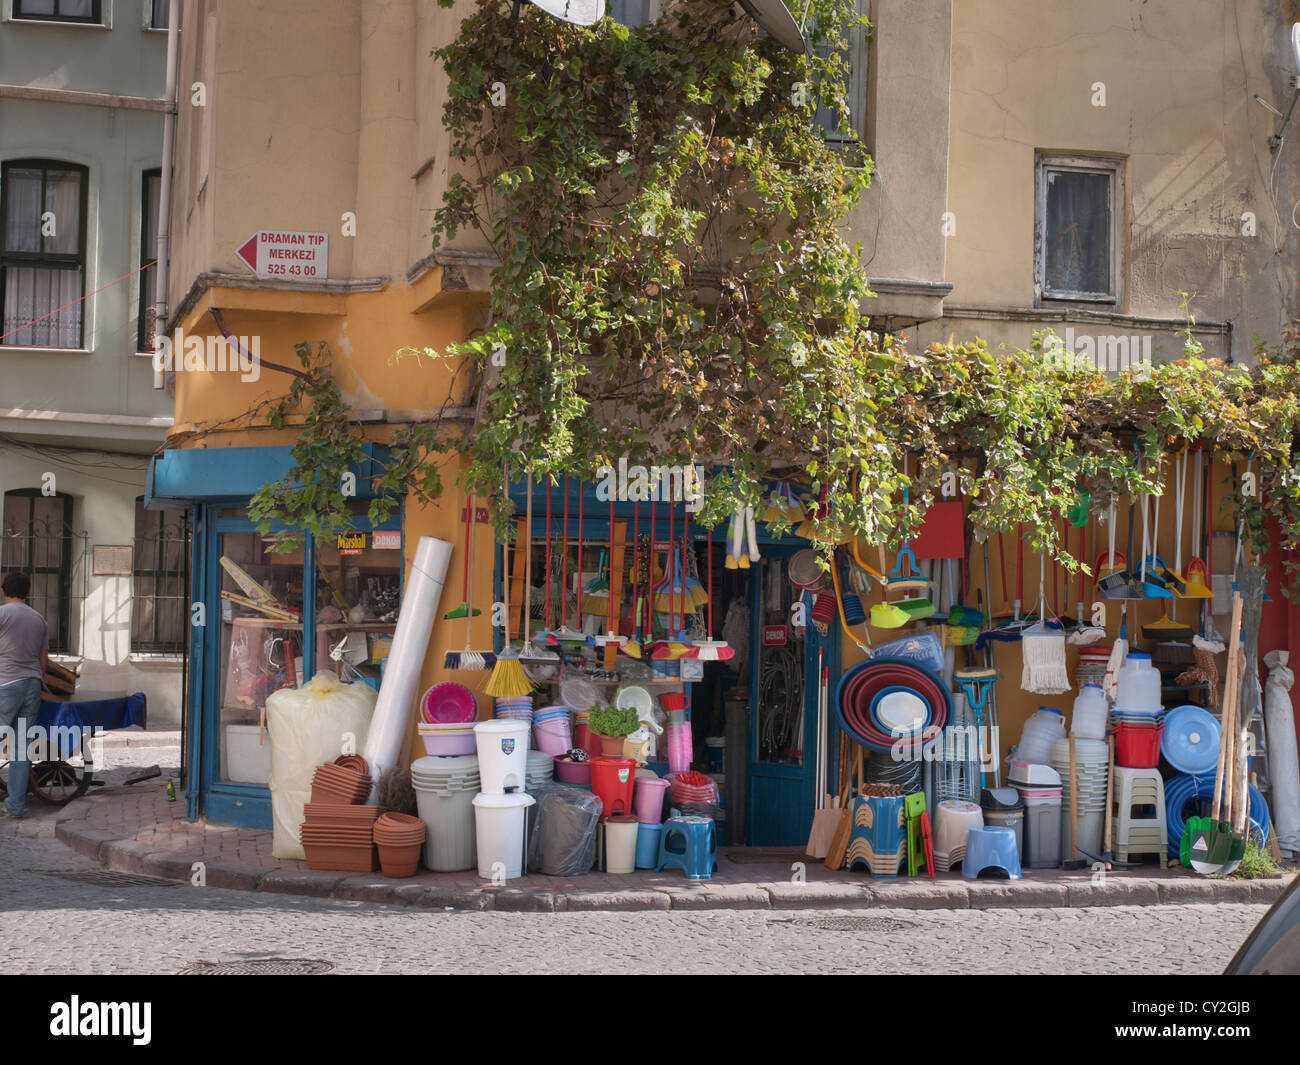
{"x": 850, "y": 924}
{"x": 259, "y": 967}
{"x": 107, "y": 878}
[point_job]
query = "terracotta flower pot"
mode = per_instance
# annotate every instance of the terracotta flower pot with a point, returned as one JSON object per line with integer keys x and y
{"x": 612, "y": 746}
{"x": 396, "y": 862}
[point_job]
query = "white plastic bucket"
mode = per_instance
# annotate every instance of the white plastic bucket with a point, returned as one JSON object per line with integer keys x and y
{"x": 501, "y": 824}
{"x": 502, "y": 754}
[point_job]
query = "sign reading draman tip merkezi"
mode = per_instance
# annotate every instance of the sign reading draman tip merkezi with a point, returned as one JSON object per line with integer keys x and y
{"x": 281, "y": 253}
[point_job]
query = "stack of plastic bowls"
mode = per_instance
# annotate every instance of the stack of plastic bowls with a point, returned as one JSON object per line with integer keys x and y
{"x": 551, "y": 732}
{"x": 540, "y": 771}
{"x": 515, "y": 706}
{"x": 447, "y": 739}
{"x": 1091, "y": 758}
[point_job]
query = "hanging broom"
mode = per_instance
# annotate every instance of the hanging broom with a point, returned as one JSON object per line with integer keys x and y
{"x": 532, "y": 653}
{"x": 469, "y": 660}
{"x": 633, "y": 646}
{"x": 709, "y": 649}
{"x": 564, "y": 634}
{"x": 1042, "y": 649}
{"x": 508, "y": 676}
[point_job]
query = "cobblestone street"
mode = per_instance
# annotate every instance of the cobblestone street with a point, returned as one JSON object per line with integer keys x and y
{"x": 60, "y": 912}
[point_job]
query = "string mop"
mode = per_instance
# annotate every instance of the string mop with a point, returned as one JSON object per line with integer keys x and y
{"x": 1042, "y": 649}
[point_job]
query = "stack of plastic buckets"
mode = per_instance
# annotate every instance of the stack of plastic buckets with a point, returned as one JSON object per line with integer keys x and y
{"x": 1137, "y": 718}
{"x": 1091, "y": 758}
{"x": 551, "y": 733}
{"x": 501, "y": 808}
{"x": 649, "y": 802}
{"x": 444, "y": 795}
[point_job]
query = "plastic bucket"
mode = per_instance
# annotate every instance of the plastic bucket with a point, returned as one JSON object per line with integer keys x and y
{"x": 618, "y": 836}
{"x": 1137, "y": 747}
{"x": 612, "y": 780}
{"x": 650, "y": 799}
{"x": 502, "y": 754}
{"x": 647, "y": 845}
{"x": 501, "y": 825}
{"x": 553, "y": 737}
{"x": 449, "y": 818}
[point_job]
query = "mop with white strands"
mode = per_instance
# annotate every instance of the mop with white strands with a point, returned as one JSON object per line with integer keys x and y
{"x": 1042, "y": 648}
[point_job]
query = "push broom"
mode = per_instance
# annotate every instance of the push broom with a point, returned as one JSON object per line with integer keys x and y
{"x": 469, "y": 660}
{"x": 508, "y": 676}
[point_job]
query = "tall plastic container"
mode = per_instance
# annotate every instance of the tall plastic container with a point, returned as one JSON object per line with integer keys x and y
{"x": 649, "y": 799}
{"x": 1045, "y": 726}
{"x": 1138, "y": 684}
{"x": 502, "y": 754}
{"x": 501, "y": 825}
{"x": 1088, "y": 717}
{"x": 617, "y": 837}
{"x": 1042, "y": 827}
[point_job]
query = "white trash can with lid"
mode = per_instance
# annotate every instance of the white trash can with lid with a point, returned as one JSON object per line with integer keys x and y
{"x": 501, "y": 825}
{"x": 502, "y": 754}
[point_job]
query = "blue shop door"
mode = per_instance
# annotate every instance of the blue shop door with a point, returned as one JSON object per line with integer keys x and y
{"x": 783, "y": 707}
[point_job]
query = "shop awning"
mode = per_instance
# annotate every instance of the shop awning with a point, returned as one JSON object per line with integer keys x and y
{"x": 179, "y": 477}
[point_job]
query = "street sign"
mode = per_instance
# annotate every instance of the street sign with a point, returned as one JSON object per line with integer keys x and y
{"x": 278, "y": 253}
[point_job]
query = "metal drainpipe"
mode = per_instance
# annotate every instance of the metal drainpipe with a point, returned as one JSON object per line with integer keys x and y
{"x": 163, "y": 243}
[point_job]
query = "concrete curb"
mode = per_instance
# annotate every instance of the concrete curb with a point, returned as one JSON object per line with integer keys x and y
{"x": 131, "y": 856}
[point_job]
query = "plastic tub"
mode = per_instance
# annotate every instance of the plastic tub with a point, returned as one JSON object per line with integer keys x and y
{"x": 501, "y": 828}
{"x": 1137, "y": 747}
{"x": 553, "y": 736}
{"x": 570, "y": 772}
{"x": 612, "y": 780}
{"x": 447, "y": 743}
{"x": 502, "y": 754}
{"x": 449, "y": 703}
{"x": 649, "y": 799}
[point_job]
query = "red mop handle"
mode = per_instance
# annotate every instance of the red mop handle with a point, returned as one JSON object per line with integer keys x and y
{"x": 609, "y": 580}
{"x": 564, "y": 557}
{"x": 548, "y": 550}
{"x": 577, "y": 594}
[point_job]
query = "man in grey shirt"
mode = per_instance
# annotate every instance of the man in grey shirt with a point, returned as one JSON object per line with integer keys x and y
{"x": 24, "y": 642}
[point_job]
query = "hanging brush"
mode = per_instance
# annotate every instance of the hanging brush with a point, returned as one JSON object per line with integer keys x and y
{"x": 532, "y": 653}
{"x": 709, "y": 649}
{"x": 633, "y": 646}
{"x": 508, "y": 676}
{"x": 611, "y": 636}
{"x": 1043, "y": 649}
{"x": 547, "y": 637}
{"x": 468, "y": 660}
{"x": 595, "y": 593}
{"x": 564, "y": 634}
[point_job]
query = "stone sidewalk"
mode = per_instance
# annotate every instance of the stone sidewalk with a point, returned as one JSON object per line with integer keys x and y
{"x": 136, "y": 830}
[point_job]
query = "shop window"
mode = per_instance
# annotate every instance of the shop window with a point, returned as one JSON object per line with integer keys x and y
{"x": 42, "y": 253}
{"x": 1076, "y": 234}
{"x": 37, "y": 540}
{"x": 87, "y": 11}
{"x": 159, "y": 602}
{"x": 150, "y": 186}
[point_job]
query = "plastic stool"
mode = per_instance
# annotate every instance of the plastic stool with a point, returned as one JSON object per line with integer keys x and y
{"x": 991, "y": 847}
{"x": 1144, "y": 834}
{"x": 690, "y": 844}
{"x": 952, "y": 821}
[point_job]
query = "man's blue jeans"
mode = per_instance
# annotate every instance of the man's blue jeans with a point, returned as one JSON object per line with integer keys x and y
{"x": 20, "y": 702}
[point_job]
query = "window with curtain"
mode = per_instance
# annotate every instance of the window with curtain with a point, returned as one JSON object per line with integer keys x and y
{"x": 1076, "y": 253}
{"x": 150, "y": 186}
{"x": 59, "y": 10}
{"x": 36, "y": 538}
{"x": 159, "y": 603}
{"x": 42, "y": 253}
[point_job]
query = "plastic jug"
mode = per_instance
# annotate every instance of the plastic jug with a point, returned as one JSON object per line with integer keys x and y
{"x": 1088, "y": 718}
{"x": 1138, "y": 684}
{"x": 1044, "y": 727}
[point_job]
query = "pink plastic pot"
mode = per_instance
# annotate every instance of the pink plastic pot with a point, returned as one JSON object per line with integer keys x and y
{"x": 449, "y": 704}
{"x": 567, "y": 772}
{"x": 649, "y": 800}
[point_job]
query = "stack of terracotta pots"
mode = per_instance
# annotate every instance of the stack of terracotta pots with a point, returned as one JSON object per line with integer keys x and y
{"x": 337, "y": 832}
{"x": 399, "y": 838}
{"x": 345, "y": 781}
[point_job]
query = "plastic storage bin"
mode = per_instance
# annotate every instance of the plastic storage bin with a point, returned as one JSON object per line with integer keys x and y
{"x": 1042, "y": 829}
{"x": 444, "y": 798}
{"x": 1002, "y": 808}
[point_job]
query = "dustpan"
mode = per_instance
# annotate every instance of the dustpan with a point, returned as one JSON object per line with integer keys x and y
{"x": 1167, "y": 628}
{"x": 1196, "y": 584}
{"x": 1117, "y": 582}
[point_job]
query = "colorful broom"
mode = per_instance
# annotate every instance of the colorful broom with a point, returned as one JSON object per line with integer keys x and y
{"x": 469, "y": 660}
{"x": 508, "y": 676}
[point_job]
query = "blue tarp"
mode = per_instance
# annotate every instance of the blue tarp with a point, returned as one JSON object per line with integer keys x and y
{"x": 98, "y": 713}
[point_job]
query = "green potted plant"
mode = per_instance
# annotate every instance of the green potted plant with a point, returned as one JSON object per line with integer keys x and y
{"x": 612, "y": 724}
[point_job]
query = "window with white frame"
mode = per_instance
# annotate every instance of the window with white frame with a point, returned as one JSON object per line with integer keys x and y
{"x": 1080, "y": 205}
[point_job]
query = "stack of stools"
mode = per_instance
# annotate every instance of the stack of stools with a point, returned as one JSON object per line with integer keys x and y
{"x": 953, "y": 821}
{"x": 1147, "y": 832}
{"x": 879, "y": 837}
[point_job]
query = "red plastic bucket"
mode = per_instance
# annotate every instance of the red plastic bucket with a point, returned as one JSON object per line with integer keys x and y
{"x": 586, "y": 739}
{"x": 1137, "y": 746}
{"x": 612, "y": 780}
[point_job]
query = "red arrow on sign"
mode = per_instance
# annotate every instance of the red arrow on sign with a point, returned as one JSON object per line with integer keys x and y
{"x": 249, "y": 252}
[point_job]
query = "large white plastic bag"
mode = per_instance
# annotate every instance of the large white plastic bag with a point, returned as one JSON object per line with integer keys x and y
{"x": 1283, "y": 767}
{"x": 308, "y": 726}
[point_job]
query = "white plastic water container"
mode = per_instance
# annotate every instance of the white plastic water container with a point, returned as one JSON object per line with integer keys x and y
{"x": 1138, "y": 684}
{"x": 1088, "y": 718}
{"x": 501, "y": 828}
{"x": 1045, "y": 726}
{"x": 502, "y": 754}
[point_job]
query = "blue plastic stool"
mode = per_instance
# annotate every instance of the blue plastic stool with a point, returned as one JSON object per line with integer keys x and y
{"x": 991, "y": 847}
{"x": 647, "y": 845}
{"x": 690, "y": 844}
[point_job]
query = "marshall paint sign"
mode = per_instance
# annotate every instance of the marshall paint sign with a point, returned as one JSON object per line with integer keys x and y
{"x": 351, "y": 543}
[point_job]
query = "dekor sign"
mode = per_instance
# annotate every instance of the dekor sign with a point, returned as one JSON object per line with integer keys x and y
{"x": 1085, "y": 351}
{"x": 209, "y": 354}
{"x": 651, "y": 484}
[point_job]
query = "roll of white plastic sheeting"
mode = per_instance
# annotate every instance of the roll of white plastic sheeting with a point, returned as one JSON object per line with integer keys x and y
{"x": 1283, "y": 767}
{"x": 391, "y": 723}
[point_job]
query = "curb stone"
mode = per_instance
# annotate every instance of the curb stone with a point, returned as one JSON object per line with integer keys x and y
{"x": 132, "y": 856}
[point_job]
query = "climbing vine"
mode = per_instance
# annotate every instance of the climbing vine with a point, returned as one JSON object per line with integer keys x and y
{"x": 674, "y": 286}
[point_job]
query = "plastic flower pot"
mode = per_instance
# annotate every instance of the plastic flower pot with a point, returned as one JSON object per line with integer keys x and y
{"x": 611, "y": 746}
{"x": 400, "y": 861}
